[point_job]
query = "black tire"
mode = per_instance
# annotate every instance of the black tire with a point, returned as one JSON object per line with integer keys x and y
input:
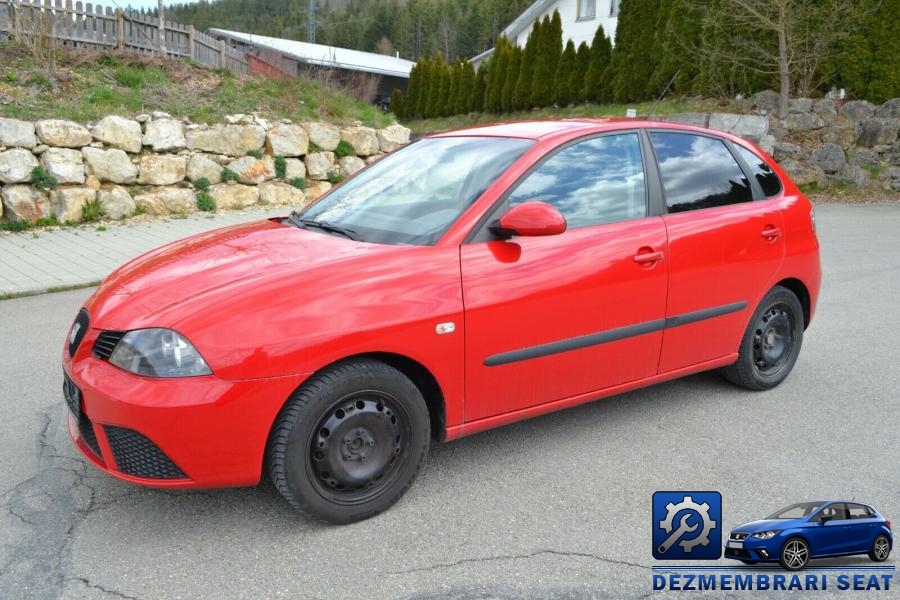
{"x": 349, "y": 442}
{"x": 881, "y": 548}
{"x": 771, "y": 342}
{"x": 749, "y": 562}
{"x": 794, "y": 554}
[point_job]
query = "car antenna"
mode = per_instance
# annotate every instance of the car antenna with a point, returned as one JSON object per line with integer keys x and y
{"x": 662, "y": 95}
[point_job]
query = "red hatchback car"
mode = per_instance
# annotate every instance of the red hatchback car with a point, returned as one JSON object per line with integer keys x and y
{"x": 468, "y": 280}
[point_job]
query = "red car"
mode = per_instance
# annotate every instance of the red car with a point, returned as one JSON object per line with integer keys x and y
{"x": 469, "y": 280}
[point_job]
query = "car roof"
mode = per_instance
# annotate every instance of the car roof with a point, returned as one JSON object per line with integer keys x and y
{"x": 543, "y": 129}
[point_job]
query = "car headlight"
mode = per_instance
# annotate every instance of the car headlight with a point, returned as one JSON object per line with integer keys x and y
{"x": 765, "y": 535}
{"x": 158, "y": 353}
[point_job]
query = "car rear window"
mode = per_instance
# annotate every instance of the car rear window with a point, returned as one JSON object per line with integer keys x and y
{"x": 698, "y": 172}
{"x": 761, "y": 171}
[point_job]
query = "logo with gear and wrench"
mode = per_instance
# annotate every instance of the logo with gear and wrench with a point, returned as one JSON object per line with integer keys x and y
{"x": 687, "y": 525}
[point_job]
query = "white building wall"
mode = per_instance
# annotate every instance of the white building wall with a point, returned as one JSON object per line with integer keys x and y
{"x": 574, "y": 29}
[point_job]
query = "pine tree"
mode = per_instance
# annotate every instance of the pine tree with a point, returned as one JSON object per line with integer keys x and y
{"x": 411, "y": 88}
{"x": 525, "y": 82}
{"x": 579, "y": 73}
{"x": 423, "y": 89}
{"x": 563, "y": 94}
{"x": 497, "y": 76}
{"x": 512, "y": 77}
{"x": 467, "y": 85}
{"x": 435, "y": 77}
{"x": 548, "y": 55}
{"x": 479, "y": 90}
{"x": 397, "y": 104}
{"x": 601, "y": 51}
{"x": 453, "y": 91}
{"x": 443, "y": 89}
{"x": 633, "y": 61}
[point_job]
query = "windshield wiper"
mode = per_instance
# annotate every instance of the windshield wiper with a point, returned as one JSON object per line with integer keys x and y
{"x": 297, "y": 220}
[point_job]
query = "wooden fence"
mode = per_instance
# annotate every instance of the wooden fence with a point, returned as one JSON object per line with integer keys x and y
{"x": 87, "y": 25}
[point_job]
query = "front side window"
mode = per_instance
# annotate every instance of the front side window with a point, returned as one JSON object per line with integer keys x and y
{"x": 587, "y": 9}
{"x": 761, "y": 171}
{"x": 698, "y": 172}
{"x": 837, "y": 512}
{"x": 415, "y": 194}
{"x": 597, "y": 181}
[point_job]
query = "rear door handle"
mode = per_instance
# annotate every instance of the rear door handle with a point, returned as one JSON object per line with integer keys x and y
{"x": 645, "y": 257}
{"x": 770, "y": 232}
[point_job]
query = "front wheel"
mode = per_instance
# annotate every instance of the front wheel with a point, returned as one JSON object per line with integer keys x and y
{"x": 881, "y": 549}
{"x": 349, "y": 442}
{"x": 794, "y": 554}
{"x": 771, "y": 343}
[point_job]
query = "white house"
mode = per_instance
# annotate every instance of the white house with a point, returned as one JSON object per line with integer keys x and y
{"x": 580, "y": 19}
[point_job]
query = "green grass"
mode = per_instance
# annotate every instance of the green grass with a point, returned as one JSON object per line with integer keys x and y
{"x": 344, "y": 148}
{"x": 257, "y": 154}
{"x": 88, "y": 86}
{"x": 666, "y": 107}
{"x": 202, "y": 184}
{"x": 280, "y": 167}
{"x": 298, "y": 182}
{"x": 50, "y": 290}
{"x": 41, "y": 179}
{"x": 334, "y": 177}
{"x": 205, "y": 202}
{"x": 92, "y": 211}
{"x": 229, "y": 175}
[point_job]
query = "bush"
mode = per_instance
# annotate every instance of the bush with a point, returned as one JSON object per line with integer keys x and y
{"x": 298, "y": 182}
{"x": 205, "y": 202}
{"x": 280, "y": 167}
{"x": 344, "y": 148}
{"x": 257, "y": 154}
{"x": 41, "y": 179}
{"x": 92, "y": 211}
{"x": 202, "y": 184}
{"x": 229, "y": 175}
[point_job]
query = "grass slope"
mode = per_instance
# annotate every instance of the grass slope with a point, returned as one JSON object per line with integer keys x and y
{"x": 87, "y": 85}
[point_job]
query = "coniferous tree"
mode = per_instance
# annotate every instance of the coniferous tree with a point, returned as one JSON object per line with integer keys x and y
{"x": 679, "y": 28}
{"x": 868, "y": 63}
{"x": 563, "y": 94}
{"x": 579, "y": 74}
{"x": 548, "y": 55}
{"x": 479, "y": 89}
{"x": 435, "y": 79}
{"x": 443, "y": 88}
{"x": 633, "y": 61}
{"x": 595, "y": 89}
{"x": 512, "y": 77}
{"x": 397, "y": 104}
{"x": 450, "y": 101}
{"x": 497, "y": 76}
{"x": 412, "y": 90}
{"x": 525, "y": 82}
{"x": 467, "y": 85}
{"x": 424, "y": 89}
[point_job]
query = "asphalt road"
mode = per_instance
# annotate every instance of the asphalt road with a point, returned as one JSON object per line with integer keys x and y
{"x": 555, "y": 507}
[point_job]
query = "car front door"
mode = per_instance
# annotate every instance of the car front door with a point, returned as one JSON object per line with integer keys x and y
{"x": 832, "y": 536}
{"x": 724, "y": 246}
{"x": 552, "y": 318}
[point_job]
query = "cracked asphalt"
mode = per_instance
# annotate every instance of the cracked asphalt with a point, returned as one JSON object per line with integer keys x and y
{"x": 555, "y": 507}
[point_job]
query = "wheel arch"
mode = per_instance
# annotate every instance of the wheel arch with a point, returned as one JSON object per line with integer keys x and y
{"x": 799, "y": 535}
{"x": 802, "y": 292}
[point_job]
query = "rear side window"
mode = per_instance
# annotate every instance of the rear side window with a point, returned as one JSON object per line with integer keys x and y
{"x": 765, "y": 176}
{"x": 597, "y": 181}
{"x": 698, "y": 172}
{"x": 858, "y": 511}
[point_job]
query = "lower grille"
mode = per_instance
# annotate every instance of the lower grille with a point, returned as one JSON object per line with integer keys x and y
{"x": 738, "y": 552}
{"x": 136, "y": 455}
{"x": 86, "y": 430}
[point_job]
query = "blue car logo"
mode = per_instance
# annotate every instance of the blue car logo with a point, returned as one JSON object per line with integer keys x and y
{"x": 687, "y": 525}
{"x": 794, "y": 535}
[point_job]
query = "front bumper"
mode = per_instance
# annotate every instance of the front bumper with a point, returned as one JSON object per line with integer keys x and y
{"x": 185, "y": 432}
{"x": 754, "y": 549}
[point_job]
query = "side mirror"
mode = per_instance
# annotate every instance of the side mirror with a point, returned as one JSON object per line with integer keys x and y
{"x": 531, "y": 218}
{"x": 825, "y": 518}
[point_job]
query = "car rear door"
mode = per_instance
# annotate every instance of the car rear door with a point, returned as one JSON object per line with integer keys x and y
{"x": 550, "y": 318}
{"x": 726, "y": 244}
{"x": 863, "y": 527}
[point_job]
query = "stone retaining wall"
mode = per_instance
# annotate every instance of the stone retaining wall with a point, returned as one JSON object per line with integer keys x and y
{"x": 152, "y": 163}
{"x": 821, "y": 141}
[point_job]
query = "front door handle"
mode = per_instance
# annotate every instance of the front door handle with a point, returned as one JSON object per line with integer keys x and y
{"x": 647, "y": 256}
{"x": 770, "y": 232}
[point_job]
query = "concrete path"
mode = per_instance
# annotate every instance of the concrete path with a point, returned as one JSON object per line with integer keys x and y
{"x": 38, "y": 261}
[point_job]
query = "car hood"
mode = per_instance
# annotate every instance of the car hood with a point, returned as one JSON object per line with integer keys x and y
{"x": 166, "y": 285}
{"x": 766, "y": 525}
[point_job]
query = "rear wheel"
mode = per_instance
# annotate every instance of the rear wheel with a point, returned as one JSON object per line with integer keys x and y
{"x": 881, "y": 549}
{"x": 349, "y": 443}
{"x": 771, "y": 343}
{"x": 794, "y": 554}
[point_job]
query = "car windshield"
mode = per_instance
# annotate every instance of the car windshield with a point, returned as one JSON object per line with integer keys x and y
{"x": 797, "y": 511}
{"x": 413, "y": 195}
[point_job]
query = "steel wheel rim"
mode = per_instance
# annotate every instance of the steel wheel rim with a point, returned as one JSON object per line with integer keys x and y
{"x": 796, "y": 554}
{"x": 773, "y": 338}
{"x": 358, "y": 447}
{"x": 881, "y": 548}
